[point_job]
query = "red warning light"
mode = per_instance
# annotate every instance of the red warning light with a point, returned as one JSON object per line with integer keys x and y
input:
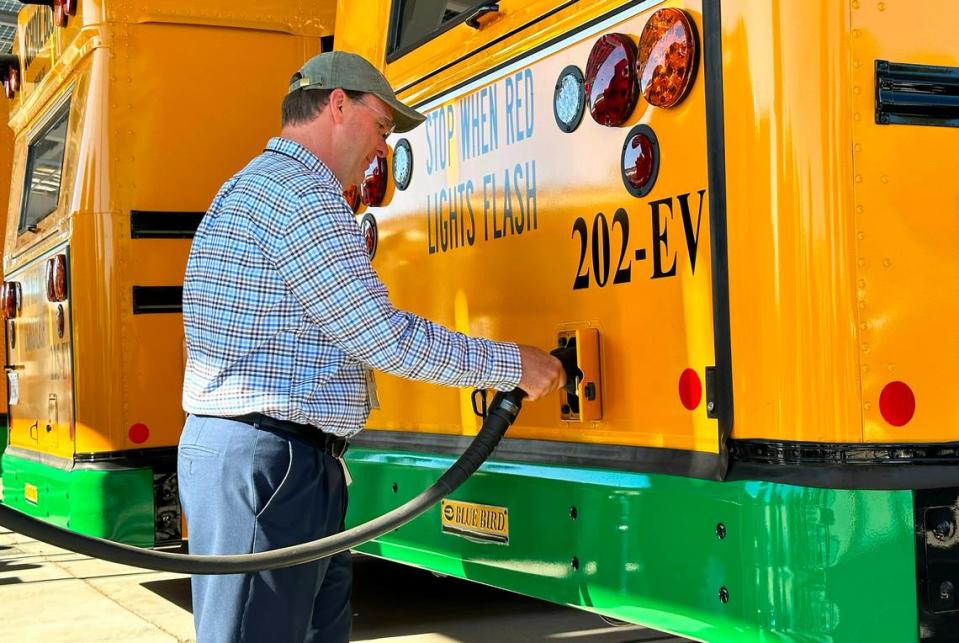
{"x": 690, "y": 389}
{"x": 668, "y": 55}
{"x": 611, "y": 85}
{"x": 373, "y": 188}
{"x": 897, "y": 403}
{"x": 352, "y": 196}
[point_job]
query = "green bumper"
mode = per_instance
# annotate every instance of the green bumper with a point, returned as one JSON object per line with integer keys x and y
{"x": 733, "y": 561}
{"x": 114, "y": 503}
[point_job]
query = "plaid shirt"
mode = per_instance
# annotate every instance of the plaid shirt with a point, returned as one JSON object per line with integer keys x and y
{"x": 283, "y": 313}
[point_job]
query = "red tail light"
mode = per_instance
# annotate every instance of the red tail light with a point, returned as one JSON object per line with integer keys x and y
{"x": 373, "y": 188}
{"x": 668, "y": 55}
{"x": 352, "y": 196}
{"x": 57, "y": 278}
{"x": 10, "y": 294}
{"x": 70, "y": 7}
{"x": 14, "y": 77}
{"x": 60, "y": 14}
{"x": 611, "y": 85}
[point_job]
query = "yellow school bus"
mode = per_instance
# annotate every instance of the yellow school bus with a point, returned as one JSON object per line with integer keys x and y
{"x": 744, "y": 214}
{"x": 127, "y": 116}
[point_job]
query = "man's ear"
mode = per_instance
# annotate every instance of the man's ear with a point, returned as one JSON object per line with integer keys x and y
{"x": 338, "y": 99}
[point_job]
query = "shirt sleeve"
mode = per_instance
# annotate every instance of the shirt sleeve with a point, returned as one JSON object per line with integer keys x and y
{"x": 321, "y": 256}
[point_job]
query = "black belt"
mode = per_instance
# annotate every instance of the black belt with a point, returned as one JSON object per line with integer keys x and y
{"x": 332, "y": 444}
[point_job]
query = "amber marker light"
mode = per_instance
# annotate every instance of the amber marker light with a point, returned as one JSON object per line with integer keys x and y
{"x": 57, "y": 278}
{"x": 611, "y": 85}
{"x": 640, "y": 165}
{"x": 373, "y": 188}
{"x": 668, "y": 57}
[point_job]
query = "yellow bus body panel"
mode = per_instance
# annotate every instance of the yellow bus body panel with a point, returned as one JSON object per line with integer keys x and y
{"x": 166, "y": 102}
{"x": 843, "y": 274}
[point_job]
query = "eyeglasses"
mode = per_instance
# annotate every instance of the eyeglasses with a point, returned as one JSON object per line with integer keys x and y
{"x": 386, "y": 124}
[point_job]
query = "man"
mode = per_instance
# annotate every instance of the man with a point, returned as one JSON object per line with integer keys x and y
{"x": 284, "y": 320}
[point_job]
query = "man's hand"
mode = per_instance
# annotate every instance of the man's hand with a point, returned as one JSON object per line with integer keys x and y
{"x": 542, "y": 373}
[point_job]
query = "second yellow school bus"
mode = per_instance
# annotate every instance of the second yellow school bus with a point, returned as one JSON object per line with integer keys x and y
{"x": 742, "y": 213}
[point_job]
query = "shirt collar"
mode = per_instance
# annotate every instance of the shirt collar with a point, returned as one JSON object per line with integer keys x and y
{"x": 294, "y": 150}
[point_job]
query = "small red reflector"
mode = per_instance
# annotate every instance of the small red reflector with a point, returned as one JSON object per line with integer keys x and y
{"x": 611, "y": 85}
{"x": 897, "y": 403}
{"x": 668, "y": 55}
{"x": 61, "y": 320}
{"x": 373, "y": 188}
{"x": 57, "y": 278}
{"x": 640, "y": 160}
{"x": 370, "y": 234}
{"x": 690, "y": 389}
{"x": 70, "y": 7}
{"x": 139, "y": 433}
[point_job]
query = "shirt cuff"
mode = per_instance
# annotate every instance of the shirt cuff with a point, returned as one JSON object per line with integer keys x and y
{"x": 506, "y": 369}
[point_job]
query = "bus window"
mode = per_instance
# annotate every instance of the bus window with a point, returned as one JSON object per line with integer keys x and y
{"x": 44, "y": 166}
{"x": 416, "y": 21}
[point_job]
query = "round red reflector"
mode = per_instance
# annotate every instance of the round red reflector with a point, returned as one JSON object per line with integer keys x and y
{"x": 352, "y": 196}
{"x": 139, "y": 433}
{"x": 640, "y": 160}
{"x": 370, "y": 234}
{"x": 668, "y": 55}
{"x": 373, "y": 188}
{"x": 897, "y": 403}
{"x": 611, "y": 85}
{"x": 61, "y": 320}
{"x": 13, "y": 75}
{"x": 690, "y": 389}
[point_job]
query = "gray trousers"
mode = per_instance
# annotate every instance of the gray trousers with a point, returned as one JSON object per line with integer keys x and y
{"x": 248, "y": 490}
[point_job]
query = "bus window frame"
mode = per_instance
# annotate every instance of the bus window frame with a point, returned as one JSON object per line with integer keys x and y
{"x": 394, "y": 52}
{"x": 60, "y": 113}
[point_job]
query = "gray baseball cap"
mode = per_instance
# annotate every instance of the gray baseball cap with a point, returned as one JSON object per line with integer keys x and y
{"x": 339, "y": 69}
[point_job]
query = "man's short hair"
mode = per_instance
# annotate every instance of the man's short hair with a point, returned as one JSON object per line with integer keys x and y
{"x": 302, "y": 105}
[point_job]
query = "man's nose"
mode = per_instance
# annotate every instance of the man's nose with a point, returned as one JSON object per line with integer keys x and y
{"x": 382, "y": 149}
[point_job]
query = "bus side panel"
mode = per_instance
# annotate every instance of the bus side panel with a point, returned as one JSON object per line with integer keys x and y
{"x": 791, "y": 254}
{"x": 907, "y": 230}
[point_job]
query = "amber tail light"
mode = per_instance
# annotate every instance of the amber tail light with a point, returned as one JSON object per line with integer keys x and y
{"x": 668, "y": 56}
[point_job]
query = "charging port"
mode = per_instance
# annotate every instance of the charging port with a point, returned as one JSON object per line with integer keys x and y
{"x": 580, "y": 399}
